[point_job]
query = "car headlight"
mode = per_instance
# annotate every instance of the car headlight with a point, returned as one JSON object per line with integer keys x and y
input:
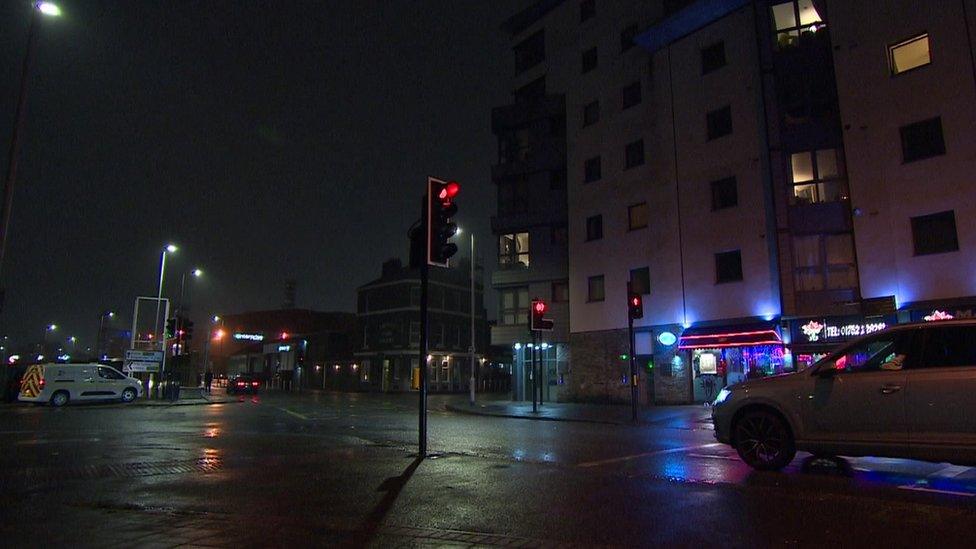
{"x": 722, "y": 396}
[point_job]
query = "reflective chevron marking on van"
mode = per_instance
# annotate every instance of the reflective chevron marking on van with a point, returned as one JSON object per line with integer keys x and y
{"x": 31, "y": 386}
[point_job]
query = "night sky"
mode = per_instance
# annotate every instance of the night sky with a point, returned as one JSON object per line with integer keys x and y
{"x": 269, "y": 140}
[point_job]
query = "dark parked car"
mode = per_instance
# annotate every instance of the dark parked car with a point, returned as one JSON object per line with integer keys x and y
{"x": 243, "y": 384}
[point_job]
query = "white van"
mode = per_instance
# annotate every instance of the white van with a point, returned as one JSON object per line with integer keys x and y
{"x": 60, "y": 383}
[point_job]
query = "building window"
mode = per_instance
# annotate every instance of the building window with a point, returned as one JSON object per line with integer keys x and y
{"x": 640, "y": 280}
{"x": 513, "y": 196}
{"x": 627, "y": 37}
{"x": 795, "y": 20}
{"x": 713, "y": 57}
{"x": 594, "y": 227}
{"x": 530, "y": 52}
{"x": 725, "y": 193}
{"x": 414, "y": 296}
{"x": 824, "y": 261}
{"x": 560, "y": 235}
{"x": 514, "y": 146}
{"x": 560, "y": 292}
{"x": 728, "y": 267}
{"x": 631, "y": 95}
{"x": 557, "y": 179}
{"x": 414, "y": 334}
{"x": 591, "y": 170}
{"x": 589, "y": 60}
{"x": 594, "y": 288}
{"x": 591, "y": 113}
{"x": 531, "y": 92}
{"x": 637, "y": 216}
{"x": 909, "y": 54}
{"x": 935, "y": 233}
{"x": 513, "y": 250}
{"x": 634, "y": 154}
{"x": 587, "y": 10}
{"x": 818, "y": 176}
{"x": 719, "y": 122}
{"x": 514, "y": 306}
{"x": 922, "y": 140}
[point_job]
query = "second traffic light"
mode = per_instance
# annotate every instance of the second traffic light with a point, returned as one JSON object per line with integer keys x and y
{"x": 538, "y": 321}
{"x": 170, "y": 328}
{"x": 440, "y": 225}
{"x": 635, "y": 303}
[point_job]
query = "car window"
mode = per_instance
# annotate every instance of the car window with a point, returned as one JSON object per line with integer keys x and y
{"x": 108, "y": 373}
{"x": 887, "y": 352}
{"x": 949, "y": 347}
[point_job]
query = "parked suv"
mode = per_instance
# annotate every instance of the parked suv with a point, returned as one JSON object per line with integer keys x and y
{"x": 59, "y": 384}
{"x": 908, "y": 392}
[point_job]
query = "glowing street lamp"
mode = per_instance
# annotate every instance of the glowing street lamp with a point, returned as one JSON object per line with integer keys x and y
{"x": 48, "y": 8}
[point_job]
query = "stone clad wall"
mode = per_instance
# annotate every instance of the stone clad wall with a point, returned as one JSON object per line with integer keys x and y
{"x": 598, "y": 372}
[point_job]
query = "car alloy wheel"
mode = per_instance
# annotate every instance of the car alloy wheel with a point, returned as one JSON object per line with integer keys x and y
{"x": 763, "y": 441}
{"x": 128, "y": 394}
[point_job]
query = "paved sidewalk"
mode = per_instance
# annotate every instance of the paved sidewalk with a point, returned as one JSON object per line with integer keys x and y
{"x": 690, "y": 417}
{"x": 191, "y": 396}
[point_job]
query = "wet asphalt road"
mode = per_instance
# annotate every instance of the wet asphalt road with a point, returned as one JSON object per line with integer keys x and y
{"x": 327, "y": 469}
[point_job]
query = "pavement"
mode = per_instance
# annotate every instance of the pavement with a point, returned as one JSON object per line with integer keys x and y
{"x": 678, "y": 417}
{"x": 341, "y": 469}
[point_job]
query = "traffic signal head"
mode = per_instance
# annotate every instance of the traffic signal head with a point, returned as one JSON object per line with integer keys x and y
{"x": 187, "y": 329}
{"x": 635, "y": 303}
{"x": 537, "y": 321}
{"x": 170, "y": 328}
{"x": 440, "y": 226}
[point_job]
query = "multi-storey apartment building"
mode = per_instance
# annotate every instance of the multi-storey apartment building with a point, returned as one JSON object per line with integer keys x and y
{"x": 774, "y": 176}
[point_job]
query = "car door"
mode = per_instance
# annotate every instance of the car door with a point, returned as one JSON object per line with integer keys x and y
{"x": 86, "y": 380}
{"x": 941, "y": 394}
{"x": 857, "y": 399}
{"x": 109, "y": 382}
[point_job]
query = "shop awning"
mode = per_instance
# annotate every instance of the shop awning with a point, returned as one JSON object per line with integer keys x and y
{"x": 730, "y": 336}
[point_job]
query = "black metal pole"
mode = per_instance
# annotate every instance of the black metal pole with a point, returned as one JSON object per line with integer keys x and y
{"x": 535, "y": 405}
{"x": 633, "y": 368}
{"x": 424, "y": 283}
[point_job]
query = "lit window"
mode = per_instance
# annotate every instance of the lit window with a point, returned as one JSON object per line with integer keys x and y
{"x": 514, "y": 306}
{"x": 794, "y": 20}
{"x": 909, "y": 54}
{"x": 513, "y": 250}
{"x": 817, "y": 176}
{"x": 824, "y": 261}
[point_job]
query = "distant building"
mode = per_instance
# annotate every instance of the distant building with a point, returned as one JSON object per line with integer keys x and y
{"x": 389, "y": 328}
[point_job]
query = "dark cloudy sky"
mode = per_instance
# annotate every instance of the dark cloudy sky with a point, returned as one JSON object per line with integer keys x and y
{"x": 268, "y": 139}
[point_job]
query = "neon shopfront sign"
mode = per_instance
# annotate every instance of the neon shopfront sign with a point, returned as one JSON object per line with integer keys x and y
{"x": 249, "y": 337}
{"x": 817, "y": 330}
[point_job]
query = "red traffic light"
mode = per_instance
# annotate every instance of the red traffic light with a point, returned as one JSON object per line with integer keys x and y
{"x": 449, "y": 191}
{"x": 540, "y": 307}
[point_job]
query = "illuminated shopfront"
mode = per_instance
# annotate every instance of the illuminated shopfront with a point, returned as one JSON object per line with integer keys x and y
{"x": 723, "y": 356}
{"x": 814, "y": 338}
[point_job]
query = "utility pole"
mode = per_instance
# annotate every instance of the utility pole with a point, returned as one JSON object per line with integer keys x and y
{"x": 472, "y": 348}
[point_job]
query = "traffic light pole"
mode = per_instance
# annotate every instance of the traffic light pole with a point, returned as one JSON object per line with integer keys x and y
{"x": 535, "y": 405}
{"x": 422, "y": 389}
{"x": 633, "y": 368}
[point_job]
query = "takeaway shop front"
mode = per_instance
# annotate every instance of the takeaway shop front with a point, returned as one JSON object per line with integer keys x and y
{"x": 725, "y": 355}
{"x": 813, "y": 338}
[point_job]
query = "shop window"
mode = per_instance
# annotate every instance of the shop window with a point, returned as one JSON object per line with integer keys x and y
{"x": 513, "y": 196}
{"x": 587, "y": 10}
{"x": 719, "y": 122}
{"x": 818, "y": 176}
{"x": 594, "y": 288}
{"x": 922, "y": 140}
{"x": 824, "y": 261}
{"x": 513, "y": 250}
{"x": 631, "y": 95}
{"x": 935, "y": 233}
{"x": 728, "y": 267}
{"x": 949, "y": 347}
{"x": 909, "y": 54}
{"x": 591, "y": 170}
{"x": 557, "y": 179}
{"x": 514, "y": 306}
{"x": 530, "y": 52}
{"x": 627, "y": 37}
{"x": 560, "y": 292}
{"x": 594, "y": 227}
{"x": 637, "y": 216}
{"x": 634, "y": 154}
{"x": 591, "y": 113}
{"x": 713, "y": 57}
{"x": 588, "y": 60}
{"x": 795, "y": 20}
{"x": 725, "y": 193}
{"x": 640, "y": 280}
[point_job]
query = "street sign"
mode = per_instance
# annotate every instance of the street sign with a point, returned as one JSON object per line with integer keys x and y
{"x": 142, "y": 361}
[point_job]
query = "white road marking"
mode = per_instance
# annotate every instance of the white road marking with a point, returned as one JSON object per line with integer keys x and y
{"x": 646, "y": 454}
{"x": 936, "y": 491}
{"x": 296, "y": 414}
{"x": 714, "y": 456}
{"x": 950, "y": 471}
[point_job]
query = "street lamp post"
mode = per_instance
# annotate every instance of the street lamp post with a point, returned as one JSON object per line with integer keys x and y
{"x": 196, "y": 273}
{"x": 159, "y": 296}
{"x": 40, "y": 8}
{"x": 101, "y": 333}
{"x": 471, "y": 382}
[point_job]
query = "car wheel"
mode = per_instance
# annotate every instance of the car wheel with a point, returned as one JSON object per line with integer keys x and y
{"x": 128, "y": 394}
{"x": 59, "y": 399}
{"x": 764, "y": 441}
